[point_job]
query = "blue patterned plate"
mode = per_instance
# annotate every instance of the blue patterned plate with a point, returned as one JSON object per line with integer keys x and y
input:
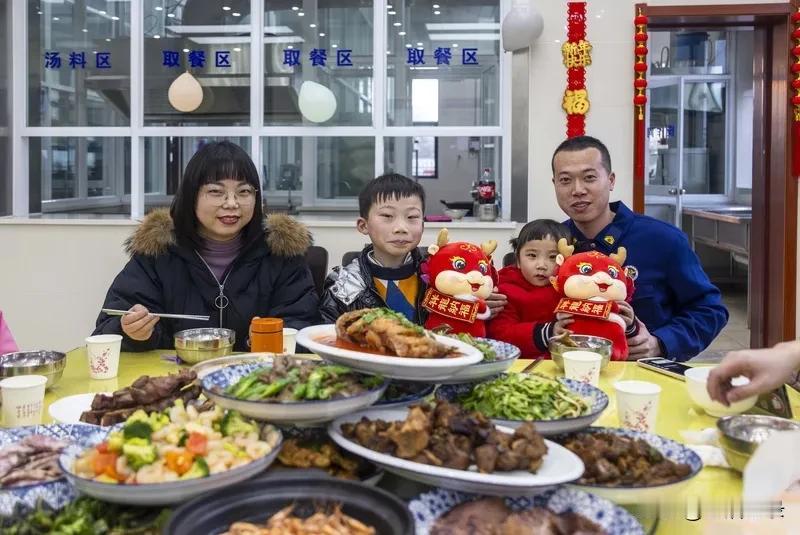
{"x": 282, "y": 412}
{"x": 596, "y": 398}
{"x": 615, "y": 520}
{"x": 506, "y": 356}
{"x": 409, "y": 393}
{"x": 629, "y": 494}
{"x": 55, "y": 493}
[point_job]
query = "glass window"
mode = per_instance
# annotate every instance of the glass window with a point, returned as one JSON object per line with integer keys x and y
{"x": 704, "y": 152}
{"x": 697, "y": 51}
{"x": 457, "y": 162}
{"x": 68, "y": 173}
{"x": 79, "y": 63}
{"x": 165, "y": 158}
{"x": 324, "y": 41}
{"x": 211, "y": 42}
{"x": 322, "y": 168}
{"x": 457, "y": 45}
{"x": 5, "y": 115}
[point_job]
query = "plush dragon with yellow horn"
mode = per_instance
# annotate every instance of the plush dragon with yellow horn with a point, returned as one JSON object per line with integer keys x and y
{"x": 460, "y": 277}
{"x": 591, "y": 283}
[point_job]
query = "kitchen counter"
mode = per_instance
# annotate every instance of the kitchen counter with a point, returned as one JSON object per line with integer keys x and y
{"x": 721, "y": 227}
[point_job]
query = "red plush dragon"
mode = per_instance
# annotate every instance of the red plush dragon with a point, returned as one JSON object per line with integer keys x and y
{"x": 590, "y": 284}
{"x": 460, "y": 277}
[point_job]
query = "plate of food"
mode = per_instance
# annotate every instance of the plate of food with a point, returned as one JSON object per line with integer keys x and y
{"x": 497, "y": 357}
{"x": 29, "y": 470}
{"x": 444, "y": 446}
{"x": 404, "y": 393}
{"x": 292, "y": 391}
{"x": 554, "y": 405}
{"x": 69, "y": 409}
{"x": 561, "y": 511}
{"x": 663, "y": 467}
{"x": 310, "y": 449}
{"x": 381, "y": 341}
{"x": 294, "y": 505}
{"x": 145, "y": 393}
{"x": 165, "y": 458}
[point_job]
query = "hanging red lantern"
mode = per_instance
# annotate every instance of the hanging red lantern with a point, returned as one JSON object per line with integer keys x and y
{"x": 640, "y": 20}
{"x": 641, "y": 37}
{"x": 795, "y": 98}
{"x": 640, "y": 100}
{"x": 640, "y": 83}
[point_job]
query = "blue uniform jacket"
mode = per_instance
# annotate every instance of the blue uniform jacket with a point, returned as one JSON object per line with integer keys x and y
{"x": 674, "y": 297}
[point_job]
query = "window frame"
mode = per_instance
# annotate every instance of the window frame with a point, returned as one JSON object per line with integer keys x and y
{"x": 257, "y": 131}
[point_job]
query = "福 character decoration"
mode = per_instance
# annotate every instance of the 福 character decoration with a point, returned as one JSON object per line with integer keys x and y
{"x": 590, "y": 284}
{"x": 460, "y": 277}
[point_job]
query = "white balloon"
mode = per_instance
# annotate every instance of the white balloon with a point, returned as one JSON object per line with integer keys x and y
{"x": 317, "y": 103}
{"x": 521, "y": 26}
{"x": 185, "y": 93}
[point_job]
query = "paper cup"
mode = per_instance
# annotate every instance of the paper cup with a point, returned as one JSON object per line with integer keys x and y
{"x": 102, "y": 351}
{"x": 583, "y": 366}
{"x": 289, "y": 340}
{"x": 23, "y": 399}
{"x": 637, "y": 404}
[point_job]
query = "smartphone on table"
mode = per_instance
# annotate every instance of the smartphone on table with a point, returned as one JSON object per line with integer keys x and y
{"x": 664, "y": 366}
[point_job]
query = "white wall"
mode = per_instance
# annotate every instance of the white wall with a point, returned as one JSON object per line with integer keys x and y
{"x": 54, "y": 277}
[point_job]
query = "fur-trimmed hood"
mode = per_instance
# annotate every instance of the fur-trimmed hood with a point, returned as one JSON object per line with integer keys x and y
{"x": 284, "y": 236}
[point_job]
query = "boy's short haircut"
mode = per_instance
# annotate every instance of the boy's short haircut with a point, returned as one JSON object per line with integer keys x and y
{"x": 579, "y": 143}
{"x": 540, "y": 229}
{"x": 388, "y": 186}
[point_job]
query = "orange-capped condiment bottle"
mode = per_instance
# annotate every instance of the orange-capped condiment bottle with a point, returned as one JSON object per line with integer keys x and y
{"x": 266, "y": 335}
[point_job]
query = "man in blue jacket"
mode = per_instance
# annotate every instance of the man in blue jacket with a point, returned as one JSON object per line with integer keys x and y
{"x": 679, "y": 311}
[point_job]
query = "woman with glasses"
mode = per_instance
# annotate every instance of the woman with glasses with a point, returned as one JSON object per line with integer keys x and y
{"x": 211, "y": 254}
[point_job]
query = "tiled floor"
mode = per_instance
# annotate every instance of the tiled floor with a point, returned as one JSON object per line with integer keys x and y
{"x": 736, "y": 334}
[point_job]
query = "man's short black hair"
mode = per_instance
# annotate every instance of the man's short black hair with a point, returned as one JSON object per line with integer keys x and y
{"x": 388, "y": 186}
{"x": 579, "y": 143}
{"x": 213, "y": 162}
{"x": 540, "y": 229}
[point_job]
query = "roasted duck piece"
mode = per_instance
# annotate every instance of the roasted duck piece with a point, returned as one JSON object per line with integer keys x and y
{"x": 384, "y": 330}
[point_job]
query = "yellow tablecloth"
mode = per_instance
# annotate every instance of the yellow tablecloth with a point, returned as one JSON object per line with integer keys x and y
{"x": 675, "y": 414}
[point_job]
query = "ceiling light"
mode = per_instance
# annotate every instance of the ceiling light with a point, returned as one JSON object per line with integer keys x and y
{"x": 455, "y": 45}
{"x": 437, "y": 12}
{"x": 108, "y": 40}
{"x": 322, "y": 35}
{"x": 171, "y": 15}
{"x": 301, "y": 14}
{"x": 156, "y": 36}
{"x": 388, "y": 6}
{"x": 334, "y": 46}
{"x": 236, "y": 14}
{"x": 237, "y": 49}
{"x": 295, "y": 8}
{"x": 39, "y": 12}
{"x": 85, "y": 30}
{"x": 419, "y": 44}
{"x": 159, "y": 8}
{"x": 226, "y": 8}
{"x": 393, "y": 12}
{"x": 408, "y": 45}
{"x": 435, "y": 6}
{"x": 290, "y": 47}
{"x": 186, "y": 50}
{"x": 388, "y": 51}
{"x": 312, "y": 25}
{"x": 397, "y": 24}
{"x": 114, "y": 18}
{"x": 401, "y": 33}
{"x": 102, "y": 12}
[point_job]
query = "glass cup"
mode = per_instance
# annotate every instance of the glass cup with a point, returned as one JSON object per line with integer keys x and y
{"x": 102, "y": 351}
{"x": 637, "y": 404}
{"x": 583, "y": 366}
{"x": 289, "y": 340}
{"x": 23, "y": 399}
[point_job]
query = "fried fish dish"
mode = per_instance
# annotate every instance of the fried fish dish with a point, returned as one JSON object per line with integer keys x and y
{"x": 389, "y": 332}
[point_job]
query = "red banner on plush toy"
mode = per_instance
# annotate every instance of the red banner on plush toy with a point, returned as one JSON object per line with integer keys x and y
{"x": 460, "y": 278}
{"x": 584, "y": 307}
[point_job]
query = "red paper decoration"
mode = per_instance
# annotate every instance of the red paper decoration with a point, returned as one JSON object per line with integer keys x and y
{"x": 640, "y": 65}
{"x": 795, "y": 91}
{"x": 577, "y": 55}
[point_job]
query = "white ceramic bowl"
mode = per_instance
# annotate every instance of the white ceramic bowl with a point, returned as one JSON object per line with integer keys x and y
{"x": 455, "y": 213}
{"x": 696, "y": 385}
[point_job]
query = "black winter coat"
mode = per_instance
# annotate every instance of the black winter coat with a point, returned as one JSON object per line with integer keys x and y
{"x": 269, "y": 278}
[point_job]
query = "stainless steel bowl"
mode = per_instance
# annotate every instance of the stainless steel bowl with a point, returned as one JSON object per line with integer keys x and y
{"x": 48, "y": 363}
{"x": 741, "y": 435}
{"x": 585, "y": 342}
{"x": 197, "y": 345}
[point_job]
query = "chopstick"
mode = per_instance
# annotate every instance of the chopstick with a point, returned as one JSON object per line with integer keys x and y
{"x": 533, "y": 364}
{"x": 113, "y": 312}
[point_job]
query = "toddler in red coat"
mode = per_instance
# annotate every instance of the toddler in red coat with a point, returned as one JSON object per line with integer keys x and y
{"x": 528, "y": 321}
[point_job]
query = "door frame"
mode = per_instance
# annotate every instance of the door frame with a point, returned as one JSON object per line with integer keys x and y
{"x": 773, "y": 242}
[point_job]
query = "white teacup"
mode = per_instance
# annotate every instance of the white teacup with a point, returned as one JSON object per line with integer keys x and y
{"x": 289, "y": 339}
{"x": 637, "y": 404}
{"x": 583, "y": 366}
{"x": 102, "y": 351}
{"x": 23, "y": 399}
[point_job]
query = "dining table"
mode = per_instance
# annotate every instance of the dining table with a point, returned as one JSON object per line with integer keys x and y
{"x": 676, "y": 413}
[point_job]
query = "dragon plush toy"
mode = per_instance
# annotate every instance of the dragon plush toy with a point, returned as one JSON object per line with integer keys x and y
{"x": 460, "y": 277}
{"x": 590, "y": 284}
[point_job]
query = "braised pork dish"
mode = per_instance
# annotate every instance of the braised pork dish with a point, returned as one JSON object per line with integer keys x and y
{"x": 491, "y": 516}
{"x": 613, "y": 460}
{"x": 390, "y": 333}
{"x": 446, "y": 435}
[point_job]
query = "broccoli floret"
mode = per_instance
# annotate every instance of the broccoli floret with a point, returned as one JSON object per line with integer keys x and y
{"x": 233, "y": 423}
{"x": 138, "y": 452}
{"x": 158, "y": 420}
{"x": 115, "y": 441}
{"x": 199, "y": 469}
{"x": 137, "y": 429}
